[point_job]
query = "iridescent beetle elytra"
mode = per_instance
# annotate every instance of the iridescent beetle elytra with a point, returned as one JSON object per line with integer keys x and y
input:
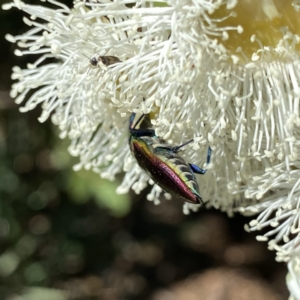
{"x": 162, "y": 163}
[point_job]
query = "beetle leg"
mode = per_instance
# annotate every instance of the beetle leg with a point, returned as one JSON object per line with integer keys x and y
{"x": 197, "y": 169}
{"x": 208, "y": 155}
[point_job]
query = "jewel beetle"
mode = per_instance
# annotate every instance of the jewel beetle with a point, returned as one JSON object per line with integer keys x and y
{"x": 163, "y": 164}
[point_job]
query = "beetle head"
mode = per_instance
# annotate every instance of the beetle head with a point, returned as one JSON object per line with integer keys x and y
{"x": 139, "y": 132}
{"x": 133, "y": 127}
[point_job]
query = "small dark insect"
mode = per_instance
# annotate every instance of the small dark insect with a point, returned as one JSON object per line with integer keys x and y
{"x": 106, "y": 60}
{"x": 162, "y": 163}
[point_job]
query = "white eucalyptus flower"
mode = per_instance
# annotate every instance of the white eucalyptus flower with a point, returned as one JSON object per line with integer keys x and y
{"x": 293, "y": 278}
{"x": 224, "y": 72}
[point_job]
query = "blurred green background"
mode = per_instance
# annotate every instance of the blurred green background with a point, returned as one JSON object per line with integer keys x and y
{"x": 68, "y": 235}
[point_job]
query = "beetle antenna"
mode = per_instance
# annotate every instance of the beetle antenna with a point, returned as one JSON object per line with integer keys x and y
{"x": 89, "y": 61}
{"x": 176, "y": 148}
{"x": 85, "y": 56}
